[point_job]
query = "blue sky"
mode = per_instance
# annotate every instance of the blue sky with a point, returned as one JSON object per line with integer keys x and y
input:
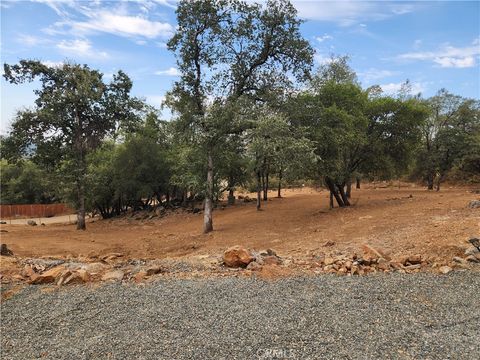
{"x": 434, "y": 44}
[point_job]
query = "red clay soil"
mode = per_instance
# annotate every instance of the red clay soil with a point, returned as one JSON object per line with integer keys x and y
{"x": 405, "y": 221}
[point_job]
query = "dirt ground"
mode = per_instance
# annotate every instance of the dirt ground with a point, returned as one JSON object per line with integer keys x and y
{"x": 400, "y": 221}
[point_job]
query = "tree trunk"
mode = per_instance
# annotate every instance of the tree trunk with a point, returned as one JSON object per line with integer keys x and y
{"x": 265, "y": 189}
{"x": 208, "y": 218}
{"x": 279, "y": 194}
{"x": 331, "y": 200}
{"x": 358, "y": 183}
{"x": 259, "y": 189}
{"x": 438, "y": 181}
{"x": 430, "y": 181}
{"x": 80, "y": 177}
{"x": 81, "y": 206}
{"x": 231, "y": 196}
{"x": 341, "y": 189}
{"x": 349, "y": 189}
{"x": 333, "y": 189}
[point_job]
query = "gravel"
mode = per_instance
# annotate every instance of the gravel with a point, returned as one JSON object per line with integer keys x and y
{"x": 388, "y": 316}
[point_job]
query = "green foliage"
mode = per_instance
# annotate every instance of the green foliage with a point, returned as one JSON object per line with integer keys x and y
{"x": 450, "y": 138}
{"x": 25, "y": 183}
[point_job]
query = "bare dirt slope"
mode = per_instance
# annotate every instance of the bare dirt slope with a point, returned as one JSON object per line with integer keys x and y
{"x": 404, "y": 221}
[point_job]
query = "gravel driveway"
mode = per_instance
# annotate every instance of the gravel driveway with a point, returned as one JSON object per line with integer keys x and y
{"x": 327, "y": 317}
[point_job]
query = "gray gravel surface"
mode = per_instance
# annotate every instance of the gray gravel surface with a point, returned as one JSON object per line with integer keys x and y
{"x": 421, "y": 316}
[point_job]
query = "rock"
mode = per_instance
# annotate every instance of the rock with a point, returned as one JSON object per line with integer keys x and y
{"x": 472, "y": 251}
{"x": 31, "y": 223}
{"x": 78, "y": 277}
{"x": 272, "y": 260}
{"x": 114, "y": 275}
{"x": 414, "y": 259}
{"x": 474, "y": 204}
{"x": 61, "y": 279}
{"x": 459, "y": 260}
{"x": 354, "y": 270}
{"x": 328, "y": 268}
{"x": 94, "y": 268}
{"x": 152, "y": 270}
{"x": 28, "y": 272}
{"x": 49, "y": 276}
{"x": 5, "y": 251}
{"x": 329, "y": 243}
{"x": 413, "y": 267}
{"x": 383, "y": 264}
{"x": 329, "y": 261}
{"x": 254, "y": 266}
{"x": 445, "y": 269}
{"x": 84, "y": 275}
{"x": 111, "y": 256}
{"x": 237, "y": 256}
{"x": 369, "y": 250}
{"x": 473, "y": 258}
{"x": 271, "y": 252}
{"x": 140, "y": 276}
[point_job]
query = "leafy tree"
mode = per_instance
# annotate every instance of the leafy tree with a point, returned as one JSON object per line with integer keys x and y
{"x": 24, "y": 182}
{"x": 449, "y": 137}
{"x": 226, "y": 50}
{"x": 355, "y": 130}
{"x": 74, "y": 111}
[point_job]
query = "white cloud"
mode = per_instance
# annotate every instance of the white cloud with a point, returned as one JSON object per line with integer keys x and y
{"x": 118, "y": 24}
{"x": 323, "y": 38}
{"x": 57, "y": 5}
{"x": 372, "y": 75}
{"x": 31, "y": 40}
{"x": 393, "y": 88}
{"x": 53, "y": 64}
{"x": 322, "y": 59}
{"x": 169, "y": 72}
{"x": 448, "y": 56}
{"x": 81, "y": 48}
{"x": 155, "y": 100}
{"x": 350, "y": 12}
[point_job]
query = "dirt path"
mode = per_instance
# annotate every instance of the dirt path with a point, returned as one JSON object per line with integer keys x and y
{"x": 409, "y": 220}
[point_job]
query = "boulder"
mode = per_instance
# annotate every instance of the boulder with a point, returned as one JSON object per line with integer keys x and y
{"x": 140, "y": 276}
{"x": 414, "y": 259}
{"x": 152, "y": 270}
{"x": 474, "y": 204}
{"x": 5, "y": 251}
{"x": 369, "y": 250}
{"x": 272, "y": 260}
{"x": 445, "y": 269}
{"x": 78, "y": 277}
{"x": 473, "y": 258}
{"x": 49, "y": 276}
{"x": 114, "y": 275}
{"x": 329, "y": 261}
{"x": 237, "y": 256}
{"x": 31, "y": 223}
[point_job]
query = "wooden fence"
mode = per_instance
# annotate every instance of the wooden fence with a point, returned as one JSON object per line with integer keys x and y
{"x": 33, "y": 211}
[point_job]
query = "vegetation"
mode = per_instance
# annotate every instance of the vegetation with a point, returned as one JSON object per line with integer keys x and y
{"x": 247, "y": 108}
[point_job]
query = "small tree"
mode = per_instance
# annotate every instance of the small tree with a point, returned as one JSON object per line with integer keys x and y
{"x": 227, "y": 50}
{"x": 74, "y": 111}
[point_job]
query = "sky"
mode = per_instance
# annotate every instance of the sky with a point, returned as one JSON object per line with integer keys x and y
{"x": 434, "y": 44}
